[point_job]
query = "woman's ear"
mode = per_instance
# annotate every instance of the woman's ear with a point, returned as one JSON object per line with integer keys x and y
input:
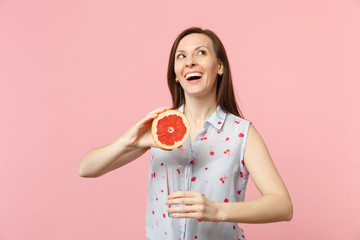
{"x": 221, "y": 68}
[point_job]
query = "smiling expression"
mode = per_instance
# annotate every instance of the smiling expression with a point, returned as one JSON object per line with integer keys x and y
{"x": 196, "y": 65}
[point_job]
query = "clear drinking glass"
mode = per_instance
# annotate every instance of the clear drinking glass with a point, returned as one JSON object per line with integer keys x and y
{"x": 177, "y": 179}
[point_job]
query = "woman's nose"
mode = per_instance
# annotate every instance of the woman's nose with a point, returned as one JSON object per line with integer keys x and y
{"x": 190, "y": 61}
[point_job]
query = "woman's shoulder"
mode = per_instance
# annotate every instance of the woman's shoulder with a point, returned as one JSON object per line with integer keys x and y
{"x": 234, "y": 119}
{"x": 236, "y": 125}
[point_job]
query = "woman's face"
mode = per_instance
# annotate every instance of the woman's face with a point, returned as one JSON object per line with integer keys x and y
{"x": 196, "y": 65}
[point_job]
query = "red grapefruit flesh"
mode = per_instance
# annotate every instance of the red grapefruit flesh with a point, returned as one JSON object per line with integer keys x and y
{"x": 170, "y": 129}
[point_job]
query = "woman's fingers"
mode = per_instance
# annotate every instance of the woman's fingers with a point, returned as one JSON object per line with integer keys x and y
{"x": 186, "y": 215}
{"x": 193, "y": 205}
{"x": 153, "y": 114}
{"x": 176, "y": 201}
{"x": 144, "y": 124}
{"x": 160, "y": 109}
{"x": 140, "y": 132}
{"x": 185, "y": 209}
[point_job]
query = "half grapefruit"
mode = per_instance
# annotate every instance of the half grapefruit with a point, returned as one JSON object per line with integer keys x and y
{"x": 170, "y": 129}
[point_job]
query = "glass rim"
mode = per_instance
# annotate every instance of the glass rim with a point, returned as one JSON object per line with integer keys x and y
{"x": 188, "y": 165}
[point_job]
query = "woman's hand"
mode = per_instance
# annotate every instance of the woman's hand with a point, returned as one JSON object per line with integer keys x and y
{"x": 196, "y": 206}
{"x": 139, "y": 135}
{"x": 130, "y": 146}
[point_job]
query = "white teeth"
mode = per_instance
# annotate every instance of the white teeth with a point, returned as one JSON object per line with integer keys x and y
{"x": 196, "y": 74}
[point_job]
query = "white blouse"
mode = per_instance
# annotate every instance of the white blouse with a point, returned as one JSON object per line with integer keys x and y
{"x": 218, "y": 172}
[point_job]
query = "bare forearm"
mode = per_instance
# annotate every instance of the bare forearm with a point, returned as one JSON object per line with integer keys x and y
{"x": 104, "y": 159}
{"x": 269, "y": 208}
{"x": 131, "y": 145}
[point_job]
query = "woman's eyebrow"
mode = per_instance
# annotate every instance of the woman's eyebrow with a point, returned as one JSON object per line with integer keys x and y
{"x": 195, "y": 49}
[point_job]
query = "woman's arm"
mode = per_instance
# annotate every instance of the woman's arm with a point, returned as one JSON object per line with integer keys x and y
{"x": 135, "y": 142}
{"x": 105, "y": 159}
{"x": 274, "y": 205}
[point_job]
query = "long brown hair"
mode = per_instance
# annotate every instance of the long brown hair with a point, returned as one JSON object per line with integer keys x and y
{"x": 225, "y": 96}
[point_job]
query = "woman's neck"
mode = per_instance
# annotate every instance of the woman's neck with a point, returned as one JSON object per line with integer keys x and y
{"x": 198, "y": 110}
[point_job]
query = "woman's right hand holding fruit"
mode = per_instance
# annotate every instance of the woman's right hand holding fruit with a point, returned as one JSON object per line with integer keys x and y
{"x": 139, "y": 135}
{"x": 131, "y": 145}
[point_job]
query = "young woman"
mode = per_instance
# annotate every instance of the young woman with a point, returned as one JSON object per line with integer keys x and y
{"x": 223, "y": 149}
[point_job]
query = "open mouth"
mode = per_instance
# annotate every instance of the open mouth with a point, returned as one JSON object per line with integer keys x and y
{"x": 193, "y": 76}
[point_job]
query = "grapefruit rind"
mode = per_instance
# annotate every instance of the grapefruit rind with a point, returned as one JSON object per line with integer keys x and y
{"x": 163, "y": 115}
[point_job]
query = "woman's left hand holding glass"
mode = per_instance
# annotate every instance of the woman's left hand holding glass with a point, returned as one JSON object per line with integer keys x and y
{"x": 195, "y": 205}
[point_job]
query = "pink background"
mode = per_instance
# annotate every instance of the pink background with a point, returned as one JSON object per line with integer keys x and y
{"x": 76, "y": 74}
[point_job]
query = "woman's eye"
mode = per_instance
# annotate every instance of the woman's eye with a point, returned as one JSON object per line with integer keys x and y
{"x": 180, "y": 56}
{"x": 201, "y": 53}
